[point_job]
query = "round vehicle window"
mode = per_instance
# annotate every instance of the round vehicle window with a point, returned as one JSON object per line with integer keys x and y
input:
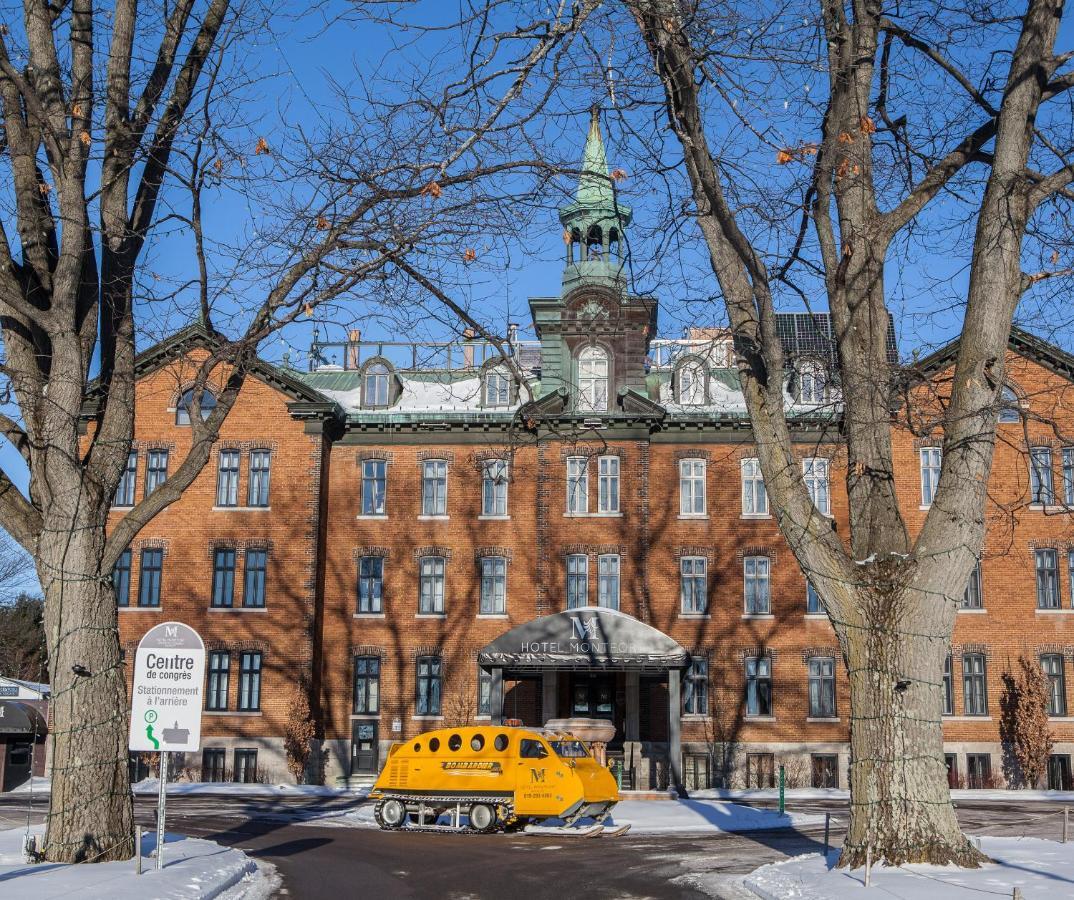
{"x": 434, "y": 744}
{"x": 417, "y": 747}
{"x": 454, "y": 742}
{"x": 477, "y": 742}
{"x": 500, "y": 743}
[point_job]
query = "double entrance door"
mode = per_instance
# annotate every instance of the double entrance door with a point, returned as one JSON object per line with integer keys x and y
{"x": 598, "y": 696}
{"x": 365, "y": 756}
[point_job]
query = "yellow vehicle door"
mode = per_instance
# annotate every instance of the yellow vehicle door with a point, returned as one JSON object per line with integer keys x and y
{"x": 542, "y": 786}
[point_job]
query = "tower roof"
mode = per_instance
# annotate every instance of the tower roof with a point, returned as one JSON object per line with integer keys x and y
{"x": 594, "y": 185}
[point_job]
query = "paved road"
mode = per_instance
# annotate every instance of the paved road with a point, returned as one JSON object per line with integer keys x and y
{"x": 318, "y": 860}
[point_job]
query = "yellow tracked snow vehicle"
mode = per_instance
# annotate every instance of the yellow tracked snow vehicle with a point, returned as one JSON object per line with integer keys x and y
{"x": 493, "y": 777}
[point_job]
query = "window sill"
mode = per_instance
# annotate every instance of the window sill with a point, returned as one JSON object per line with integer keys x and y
{"x": 1055, "y": 612}
{"x": 138, "y": 608}
{"x": 758, "y": 616}
{"x": 116, "y": 507}
{"x": 974, "y": 611}
{"x": 482, "y": 718}
{"x": 492, "y": 615}
{"x": 823, "y": 719}
{"x": 427, "y": 718}
{"x": 816, "y": 616}
{"x": 1049, "y": 508}
{"x": 493, "y": 518}
{"x": 763, "y": 719}
{"x": 925, "y": 506}
{"x": 242, "y": 509}
{"x": 377, "y": 517}
{"x": 695, "y": 717}
{"x": 238, "y": 609}
{"x": 697, "y": 517}
{"x": 369, "y": 615}
{"x": 430, "y": 615}
{"x": 375, "y": 715}
{"x": 593, "y": 515}
{"x": 756, "y": 515}
{"x": 247, "y": 714}
{"x": 966, "y": 718}
{"x": 1061, "y": 718}
{"x": 424, "y": 518}
{"x": 683, "y": 615}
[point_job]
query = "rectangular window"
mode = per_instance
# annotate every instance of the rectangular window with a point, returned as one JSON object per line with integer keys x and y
{"x": 253, "y": 584}
{"x": 223, "y": 577}
{"x": 1041, "y": 489}
{"x": 759, "y": 686}
{"x": 219, "y": 673}
{"x": 484, "y": 693}
{"x": 608, "y": 484}
{"x": 121, "y": 579}
{"x": 691, "y": 487}
{"x": 212, "y": 763}
{"x": 156, "y": 470}
{"x": 825, "y": 770}
{"x": 754, "y": 497}
{"x": 974, "y": 685}
{"x": 149, "y": 577}
{"x": 493, "y": 585}
{"x": 366, "y": 685}
{"x": 1052, "y": 666}
{"x": 370, "y": 584}
{"x": 1070, "y": 574}
{"x": 257, "y": 489}
{"x": 246, "y": 766}
{"x": 1047, "y": 565}
{"x": 434, "y": 488}
{"x": 948, "y": 688}
{"x": 760, "y": 770}
{"x": 978, "y": 770}
{"x": 374, "y": 481}
{"x": 973, "y": 598}
{"x": 250, "y": 682}
{"x": 125, "y": 488}
{"x": 815, "y": 475}
{"x": 608, "y": 581}
{"x": 494, "y": 488}
{"x": 931, "y": 460}
{"x": 822, "y": 687}
{"x": 694, "y": 578}
{"x": 812, "y": 600}
{"x": 577, "y": 581}
{"x": 1068, "y": 476}
{"x": 431, "y": 584}
{"x": 429, "y": 676}
{"x": 756, "y": 582}
{"x": 577, "y": 485}
{"x": 227, "y": 478}
{"x": 695, "y": 690}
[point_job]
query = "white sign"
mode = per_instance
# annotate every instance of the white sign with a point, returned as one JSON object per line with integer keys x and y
{"x": 166, "y": 698}
{"x": 397, "y": 724}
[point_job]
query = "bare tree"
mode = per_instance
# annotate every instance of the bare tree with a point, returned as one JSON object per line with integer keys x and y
{"x": 890, "y": 598}
{"x": 88, "y": 166}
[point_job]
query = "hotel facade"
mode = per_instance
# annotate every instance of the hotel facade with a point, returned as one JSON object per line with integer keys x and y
{"x": 419, "y": 535}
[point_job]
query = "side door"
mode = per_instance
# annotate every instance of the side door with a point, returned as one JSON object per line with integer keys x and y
{"x": 364, "y": 749}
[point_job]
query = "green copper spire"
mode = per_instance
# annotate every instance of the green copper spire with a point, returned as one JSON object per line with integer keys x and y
{"x": 594, "y": 222}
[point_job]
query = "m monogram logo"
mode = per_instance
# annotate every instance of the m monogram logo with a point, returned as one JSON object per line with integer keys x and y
{"x": 171, "y": 630}
{"x": 537, "y": 776}
{"x": 585, "y": 628}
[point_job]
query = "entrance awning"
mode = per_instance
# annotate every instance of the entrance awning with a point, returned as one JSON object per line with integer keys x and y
{"x": 591, "y": 637}
{"x": 20, "y": 718}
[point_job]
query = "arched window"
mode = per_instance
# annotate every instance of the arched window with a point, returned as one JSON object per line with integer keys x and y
{"x": 593, "y": 379}
{"x": 1010, "y": 410}
{"x": 691, "y": 384}
{"x": 497, "y": 388}
{"x": 594, "y": 242}
{"x": 186, "y": 404}
{"x": 812, "y": 382}
{"x": 613, "y": 243}
{"x": 375, "y": 385}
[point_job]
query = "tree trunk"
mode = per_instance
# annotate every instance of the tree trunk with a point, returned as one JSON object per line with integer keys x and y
{"x": 90, "y": 813}
{"x": 901, "y": 804}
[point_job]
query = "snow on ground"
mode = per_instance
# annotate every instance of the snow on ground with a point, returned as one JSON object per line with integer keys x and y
{"x": 194, "y": 869}
{"x": 230, "y": 789}
{"x": 1039, "y": 868}
{"x": 834, "y": 794}
{"x": 645, "y": 817}
{"x": 37, "y": 784}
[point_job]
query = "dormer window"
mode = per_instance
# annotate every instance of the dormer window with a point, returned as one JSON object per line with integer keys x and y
{"x": 497, "y": 388}
{"x": 812, "y": 382}
{"x": 691, "y": 384}
{"x": 375, "y": 385}
{"x": 1010, "y": 410}
{"x": 593, "y": 379}
{"x": 186, "y": 404}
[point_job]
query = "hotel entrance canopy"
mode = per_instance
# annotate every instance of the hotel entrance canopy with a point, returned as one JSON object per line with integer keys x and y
{"x": 586, "y": 638}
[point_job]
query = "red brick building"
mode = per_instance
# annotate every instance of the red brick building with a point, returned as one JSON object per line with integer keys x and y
{"x": 425, "y": 534}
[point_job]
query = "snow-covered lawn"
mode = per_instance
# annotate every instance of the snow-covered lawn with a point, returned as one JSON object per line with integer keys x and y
{"x": 37, "y": 785}
{"x": 647, "y": 817}
{"x": 194, "y": 869}
{"x": 1041, "y": 869}
{"x": 230, "y": 789}
{"x": 799, "y": 794}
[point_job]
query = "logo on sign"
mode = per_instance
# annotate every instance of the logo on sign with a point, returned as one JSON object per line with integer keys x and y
{"x": 585, "y": 628}
{"x": 536, "y": 776}
{"x": 171, "y": 631}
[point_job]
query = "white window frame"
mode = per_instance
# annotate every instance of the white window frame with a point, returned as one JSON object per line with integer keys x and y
{"x": 931, "y": 461}
{"x": 812, "y": 382}
{"x": 692, "y": 488}
{"x": 370, "y": 483}
{"x": 815, "y": 476}
{"x": 376, "y": 390}
{"x": 754, "y": 495}
{"x": 607, "y": 580}
{"x": 1041, "y": 478}
{"x": 691, "y": 384}
{"x": 431, "y": 473}
{"x": 580, "y": 564}
{"x": 761, "y": 575}
{"x": 494, "y": 488}
{"x": 497, "y": 388}
{"x": 578, "y": 498}
{"x": 493, "y": 600}
{"x": 608, "y": 485}
{"x": 432, "y": 570}
{"x": 694, "y": 570}
{"x": 592, "y": 381}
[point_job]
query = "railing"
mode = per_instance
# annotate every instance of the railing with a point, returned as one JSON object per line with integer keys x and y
{"x": 410, "y": 356}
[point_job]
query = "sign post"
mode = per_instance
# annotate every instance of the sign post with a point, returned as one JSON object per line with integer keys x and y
{"x": 166, "y": 701}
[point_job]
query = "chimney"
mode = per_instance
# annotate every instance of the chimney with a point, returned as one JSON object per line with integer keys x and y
{"x": 468, "y": 348}
{"x": 353, "y": 337}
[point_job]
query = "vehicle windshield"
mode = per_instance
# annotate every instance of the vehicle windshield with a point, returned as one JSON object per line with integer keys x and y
{"x": 569, "y": 749}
